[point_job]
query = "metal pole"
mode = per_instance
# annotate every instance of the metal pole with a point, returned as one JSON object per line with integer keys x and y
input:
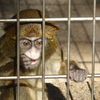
{"x": 52, "y": 19}
{"x": 18, "y": 63}
{"x": 68, "y": 52}
{"x": 93, "y": 52}
{"x": 39, "y": 77}
{"x": 43, "y": 52}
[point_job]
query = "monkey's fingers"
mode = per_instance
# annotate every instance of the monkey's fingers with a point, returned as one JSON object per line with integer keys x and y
{"x": 78, "y": 75}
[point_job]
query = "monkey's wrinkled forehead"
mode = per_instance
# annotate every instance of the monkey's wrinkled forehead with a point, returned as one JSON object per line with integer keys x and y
{"x": 35, "y": 30}
{"x": 30, "y": 28}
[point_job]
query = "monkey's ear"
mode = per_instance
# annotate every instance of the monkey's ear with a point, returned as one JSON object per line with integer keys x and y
{"x": 10, "y": 30}
{"x": 51, "y": 30}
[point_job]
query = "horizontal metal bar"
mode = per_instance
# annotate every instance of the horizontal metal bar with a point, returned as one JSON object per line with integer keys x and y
{"x": 88, "y": 61}
{"x": 40, "y": 77}
{"x": 51, "y": 19}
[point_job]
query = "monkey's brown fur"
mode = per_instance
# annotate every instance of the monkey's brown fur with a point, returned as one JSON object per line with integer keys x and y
{"x": 30, "y": 89}
{"x": 50, "y": 29}
{"x": 26, "y": 29}
{"x": 8, "y": 45}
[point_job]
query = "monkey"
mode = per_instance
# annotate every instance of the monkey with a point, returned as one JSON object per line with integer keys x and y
{"x": 30, "y": 42}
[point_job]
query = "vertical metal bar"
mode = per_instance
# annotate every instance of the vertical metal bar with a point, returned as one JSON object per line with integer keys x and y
{"x": 18, "y": 63}
{"x": 93, "y": 52}
{"x": 69, "y": 93}
{"x": 43, "y": 52}
{"x": 90, "y": 90}
{"x": 68, "y": 52}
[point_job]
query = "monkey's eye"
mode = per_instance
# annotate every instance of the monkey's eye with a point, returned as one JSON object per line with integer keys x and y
{"x": 38, "y": 43}
{"x": 26, "y": 44}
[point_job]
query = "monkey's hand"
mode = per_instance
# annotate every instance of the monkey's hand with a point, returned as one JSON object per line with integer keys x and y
{"x": 25, "y": 61}
{"x": 77, "y": 74}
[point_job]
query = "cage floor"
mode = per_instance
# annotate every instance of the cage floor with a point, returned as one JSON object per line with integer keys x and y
{"x": 81, "y": 37}
{"x": 79, "y": 91}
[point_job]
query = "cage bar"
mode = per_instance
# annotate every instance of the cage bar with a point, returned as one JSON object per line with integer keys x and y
{"x": 43, "y": 77}
{"x": 39, "y": 77}
{"x": 68, "y": 49}
{"x": 93, "y": 49}
{"x": 43, "y": 51}
{"x": 18, "y": 62}
{"x": 90, "y": 90}
{"x": 51, "y": 19}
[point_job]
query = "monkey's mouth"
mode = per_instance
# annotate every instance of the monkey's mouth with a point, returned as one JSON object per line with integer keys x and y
{"x": 34, "y": 61}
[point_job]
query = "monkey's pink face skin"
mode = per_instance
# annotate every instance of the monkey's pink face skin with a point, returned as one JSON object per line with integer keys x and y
{"x": 29, "y": 63}
{"x": 32, "y": 48}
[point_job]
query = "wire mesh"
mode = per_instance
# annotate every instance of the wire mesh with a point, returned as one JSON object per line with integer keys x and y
{"x": 69, "y": 19}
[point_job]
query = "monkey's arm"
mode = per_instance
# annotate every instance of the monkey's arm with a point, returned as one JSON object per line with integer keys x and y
{"x": 10, "y": 93}
{"x": 75, "y": 72}
{"x": 7, "y": 69}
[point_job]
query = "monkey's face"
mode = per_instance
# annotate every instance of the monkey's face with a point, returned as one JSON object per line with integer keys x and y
{"x": 31, "y": 47}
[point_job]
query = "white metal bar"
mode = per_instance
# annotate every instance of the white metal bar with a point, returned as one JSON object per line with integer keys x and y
{"x": 39, "y": 77}
{"x": 52, "y": 19}
{"x": 68, "y": 49}
{"x": 43, "y": 51}
{"x": 18, "y": 62}
{"x": 93, "y": 49}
